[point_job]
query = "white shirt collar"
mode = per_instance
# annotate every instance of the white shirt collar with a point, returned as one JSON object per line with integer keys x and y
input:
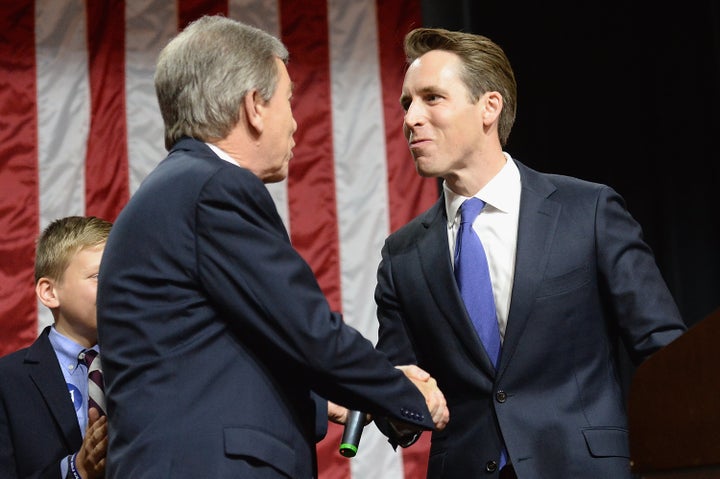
{"x": 502, "y": 192}
{"x": 66, "y": 349}
{"x": 222, "y": 154}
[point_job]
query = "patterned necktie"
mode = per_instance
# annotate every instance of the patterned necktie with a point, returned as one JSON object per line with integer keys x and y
{"x": 96, "y": 389}
{"x": 473, "y": 279}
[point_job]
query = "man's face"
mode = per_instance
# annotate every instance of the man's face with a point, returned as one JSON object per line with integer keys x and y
{"x": 442, "y": 125}
{"x": 77, "y": 292}
{"x": 280, "y": 127}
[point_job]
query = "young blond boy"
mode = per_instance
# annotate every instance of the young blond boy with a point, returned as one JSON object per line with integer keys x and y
{"x": 43, "y": 388}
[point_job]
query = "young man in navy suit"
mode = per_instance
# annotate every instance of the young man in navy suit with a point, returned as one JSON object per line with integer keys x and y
{"x": 570, "y": 277}
{"x": 218, "y": 344}
{"x": 46, "y": 429}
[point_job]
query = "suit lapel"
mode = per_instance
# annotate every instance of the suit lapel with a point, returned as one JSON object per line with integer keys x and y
{"x": 44, "y": 370}
{"x": 433, "y": 250}
{"x": 536, "y": 230}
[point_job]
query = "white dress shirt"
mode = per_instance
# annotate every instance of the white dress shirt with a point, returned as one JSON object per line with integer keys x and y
{"x": 497, "y": 226}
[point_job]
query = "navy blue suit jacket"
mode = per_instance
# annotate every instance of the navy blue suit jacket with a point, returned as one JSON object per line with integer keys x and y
{"x": 38, "y": 424}
{"x": 216, "y": 337}
{"x": 583, "y": 279}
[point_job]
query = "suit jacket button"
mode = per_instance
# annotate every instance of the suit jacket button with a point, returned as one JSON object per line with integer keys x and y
{"x": 501, "y": 396}
{"x": 491, "y": 466}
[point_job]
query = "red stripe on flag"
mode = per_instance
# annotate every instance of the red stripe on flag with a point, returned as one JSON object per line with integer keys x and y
{"x": 19, "y": 200}
{"x": 106, "y": 164}
{"x": 409, "y": 194}
{"x": 311, "y": 183}
{"x": 189, "y": 10}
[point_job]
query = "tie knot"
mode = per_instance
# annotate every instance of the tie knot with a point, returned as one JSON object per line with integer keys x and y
{"x": 470, "y": 209}
{"x": 87, "y": 356}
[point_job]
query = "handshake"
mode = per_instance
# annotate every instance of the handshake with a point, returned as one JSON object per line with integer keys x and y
{"x": 405, "y": 434}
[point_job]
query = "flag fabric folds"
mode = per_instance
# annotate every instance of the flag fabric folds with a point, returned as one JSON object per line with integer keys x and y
{"x": 80, "y": 129}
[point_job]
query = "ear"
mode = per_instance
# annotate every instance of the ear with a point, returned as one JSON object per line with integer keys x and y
{"x": 254, "y": 107}
{"x": 45, "y": 290}
{"x": 492, "y": 106}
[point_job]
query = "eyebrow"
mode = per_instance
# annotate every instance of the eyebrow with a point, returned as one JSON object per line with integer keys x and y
{"x": 423, "y": 91}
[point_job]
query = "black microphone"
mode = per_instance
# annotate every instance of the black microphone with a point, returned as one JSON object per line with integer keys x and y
{"x": 351, "y": 436}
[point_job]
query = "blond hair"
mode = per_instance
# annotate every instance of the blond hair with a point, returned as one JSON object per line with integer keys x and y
{"x": 62, "y": 239}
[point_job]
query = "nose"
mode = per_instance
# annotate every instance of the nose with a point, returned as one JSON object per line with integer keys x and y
{"x": 414, "y": 115}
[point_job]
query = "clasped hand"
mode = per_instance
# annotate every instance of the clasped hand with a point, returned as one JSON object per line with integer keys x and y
{"x": 91, "y": 456}
{"x": 434, "y": 399}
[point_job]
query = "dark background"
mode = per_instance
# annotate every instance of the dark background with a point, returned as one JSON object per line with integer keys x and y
{"x": 625, "y": 94}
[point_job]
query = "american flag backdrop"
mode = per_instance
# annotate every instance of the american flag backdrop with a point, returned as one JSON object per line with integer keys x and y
{"x": 80, "y": 129}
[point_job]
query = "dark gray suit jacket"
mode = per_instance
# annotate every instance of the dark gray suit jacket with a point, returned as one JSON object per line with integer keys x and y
{"x": 584, "y": 279}
{"x": 216, "y": 336}
{"x": 38, "y": 424}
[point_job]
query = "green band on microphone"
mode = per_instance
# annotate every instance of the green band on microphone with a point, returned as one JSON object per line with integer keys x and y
{"x": 348, "y": 450}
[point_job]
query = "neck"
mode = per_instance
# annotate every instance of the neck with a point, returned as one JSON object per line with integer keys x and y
{"x": 470, "y": 180}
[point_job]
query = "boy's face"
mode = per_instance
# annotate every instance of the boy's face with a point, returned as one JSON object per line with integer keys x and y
{"x": 76, "y": 295}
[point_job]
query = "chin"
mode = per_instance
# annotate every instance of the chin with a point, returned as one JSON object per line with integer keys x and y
{"x": 424, "y": 171}
{"x": 276, "y": 177}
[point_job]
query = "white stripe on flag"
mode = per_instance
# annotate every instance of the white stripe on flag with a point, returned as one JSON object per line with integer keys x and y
{"x": 264, "y": 14}
{"x": 150, "y": 24}
{"x": 361, "y": 185}
{"x": 63, "y": 94}
{"x": 63, "y": 107}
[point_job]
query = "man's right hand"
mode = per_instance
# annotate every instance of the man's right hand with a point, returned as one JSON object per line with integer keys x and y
{"x": 434, "y": 398}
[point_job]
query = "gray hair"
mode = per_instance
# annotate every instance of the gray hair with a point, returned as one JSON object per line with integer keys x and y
{"x": 204, "y": 73}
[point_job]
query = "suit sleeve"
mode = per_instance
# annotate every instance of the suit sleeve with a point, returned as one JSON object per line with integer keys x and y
{"x": 321, "y": 414}
{"x": 393, "y": 338}
{"x": 253, "y": 273}
{"x": 639, "y": 297}
{"x": 7, "y": 455}
{"x": 8, "y": 460}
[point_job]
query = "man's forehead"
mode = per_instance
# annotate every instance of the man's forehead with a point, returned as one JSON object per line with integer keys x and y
{"x": 432, "y": 70}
